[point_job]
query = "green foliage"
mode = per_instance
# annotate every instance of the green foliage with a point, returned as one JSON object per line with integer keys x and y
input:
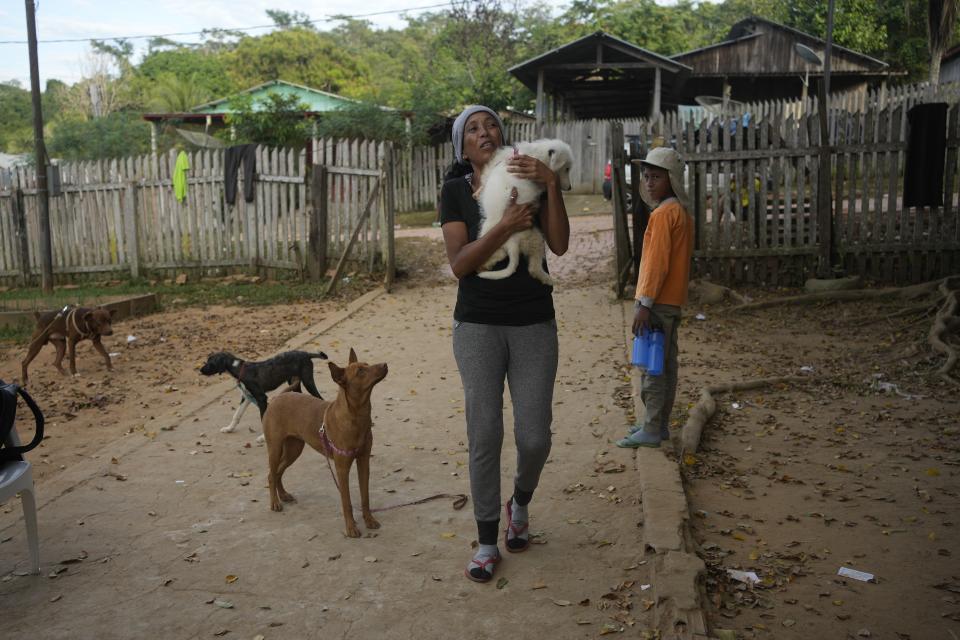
{"x": 297, "y": 55}
{"x": 16, "y": 118}
{"x": 118, "y": 134}
{"x": 171, "y": 94}
{"x": 437, "y": 63}
{"x": 362, "y": 120}
{"x": 275, "y": 121}
{"x": 205, "y": 70}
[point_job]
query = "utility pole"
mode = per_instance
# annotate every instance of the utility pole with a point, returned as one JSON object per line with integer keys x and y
{"x": 40, "y": 151}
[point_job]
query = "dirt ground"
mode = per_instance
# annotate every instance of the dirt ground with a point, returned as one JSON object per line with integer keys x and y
{"x": 153, "y": 523}
{"x": 843, "y": 470}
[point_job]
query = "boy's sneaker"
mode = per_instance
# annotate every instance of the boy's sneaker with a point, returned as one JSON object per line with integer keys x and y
{"x": 664, "y": 431}
{"x": 639, "y": 438}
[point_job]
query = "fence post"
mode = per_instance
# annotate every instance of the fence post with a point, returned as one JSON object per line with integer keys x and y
{"x": 317, "y": 239}
{"x": 131, "y": 227}
{"x": 824, "y": 192}
{"x": 23, "y": 246}
{"x": 389, "y": 215}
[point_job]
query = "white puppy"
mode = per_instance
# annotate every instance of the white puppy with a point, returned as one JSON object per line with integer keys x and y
{"x": 496, "y": 185}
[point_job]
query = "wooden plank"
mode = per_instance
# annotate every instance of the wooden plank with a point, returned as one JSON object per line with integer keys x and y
{"x": 764, "y": 170}
{"x": 949, "y": 212}
{"x": 777, "y": 177}
{"x": 881, "y": 126}
{"x": 894, "y": 223}
{"x": 331, "y": 286}
{"x": 790, "y": 171}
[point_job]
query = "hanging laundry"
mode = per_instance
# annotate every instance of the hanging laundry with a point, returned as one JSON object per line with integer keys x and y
{"x": 926, "y": 148}
{"x": 245, "y": 154}
{"x": 180, "y": 176}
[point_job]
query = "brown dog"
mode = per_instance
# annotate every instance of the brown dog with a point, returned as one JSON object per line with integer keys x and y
{"x": 65, "y": 328}
{"x": 340, "y": 430}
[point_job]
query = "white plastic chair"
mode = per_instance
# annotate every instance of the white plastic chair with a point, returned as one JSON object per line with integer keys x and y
{"x": 16, "y": 477}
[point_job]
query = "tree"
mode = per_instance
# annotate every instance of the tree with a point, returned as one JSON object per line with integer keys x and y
{"x": 941, "y": 19}
{"x": 299, "y": 55}
{"x": 362, "y": 120}
{"x": 276, "y": 121}
{"x": 118, "y": 134}
{"x": 171, "y": 94}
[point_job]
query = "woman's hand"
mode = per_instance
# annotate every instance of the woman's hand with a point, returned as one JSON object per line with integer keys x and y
{"x": 529, "y": 168}
{"x": 518, "y": 217}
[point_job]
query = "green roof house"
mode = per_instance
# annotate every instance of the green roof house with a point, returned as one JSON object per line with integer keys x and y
{"x": 214, "y": 113}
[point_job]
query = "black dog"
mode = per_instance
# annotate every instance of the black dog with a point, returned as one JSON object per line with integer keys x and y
{"x": 255, "y": 379}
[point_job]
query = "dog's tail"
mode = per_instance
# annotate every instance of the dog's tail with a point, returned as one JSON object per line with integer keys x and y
{"x": 319, "y": 354}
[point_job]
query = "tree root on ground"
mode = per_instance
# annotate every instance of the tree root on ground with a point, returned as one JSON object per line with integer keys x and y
{"x": 705, "y": 292}
{"x": 945, "y": 324}
{"x": 905, "y": 293}
{"x": 706, "y": 407}
{"x": 943, "y": 333}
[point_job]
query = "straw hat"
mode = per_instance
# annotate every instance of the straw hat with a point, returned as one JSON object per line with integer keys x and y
{"x": 669, "y": 160}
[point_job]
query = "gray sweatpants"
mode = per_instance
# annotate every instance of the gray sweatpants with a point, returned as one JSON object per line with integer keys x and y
{"x": 659, "y": 392}
{"x": 527, "y": 357}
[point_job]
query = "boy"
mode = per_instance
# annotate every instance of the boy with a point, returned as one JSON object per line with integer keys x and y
{"x": 662, "y": 286}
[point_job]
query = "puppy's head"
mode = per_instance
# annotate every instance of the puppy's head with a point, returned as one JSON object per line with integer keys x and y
{"x": 358, "y": 378}
{"x": 100, "y": 321}
{"x": 560, "y": 160}
{"x": 216, "y": 363}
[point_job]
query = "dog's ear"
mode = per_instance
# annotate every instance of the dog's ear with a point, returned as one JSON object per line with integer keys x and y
{"x": 338, "y": 374}
{"x": 353, "y": 356}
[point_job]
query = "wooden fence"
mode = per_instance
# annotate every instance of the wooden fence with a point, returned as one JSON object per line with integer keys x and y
{"x": 754, "y": 188}
{"x": 122, "y": 215}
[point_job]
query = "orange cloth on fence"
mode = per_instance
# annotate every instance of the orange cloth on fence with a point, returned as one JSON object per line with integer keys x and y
{"x": 667, "y": 252}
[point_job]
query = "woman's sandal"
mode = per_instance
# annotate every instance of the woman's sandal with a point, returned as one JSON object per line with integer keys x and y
{"x": 512, "y": 537}
{"x": 480, "y": 567}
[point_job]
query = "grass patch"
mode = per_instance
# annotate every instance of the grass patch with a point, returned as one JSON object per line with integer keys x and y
{"x": 15, "y": 335}
{"x": 195, "y": 293}
{"x": 417, "y": 218}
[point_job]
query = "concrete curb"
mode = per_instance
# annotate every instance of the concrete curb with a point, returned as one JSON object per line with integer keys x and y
{"x": 675, "y": 567}
{"x": 84, "y": 472}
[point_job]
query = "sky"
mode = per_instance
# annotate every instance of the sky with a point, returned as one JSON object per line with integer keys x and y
{"x": 101, "y": 19}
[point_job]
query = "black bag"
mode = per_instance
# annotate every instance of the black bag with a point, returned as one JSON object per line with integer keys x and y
{"x": 8, "y": 414}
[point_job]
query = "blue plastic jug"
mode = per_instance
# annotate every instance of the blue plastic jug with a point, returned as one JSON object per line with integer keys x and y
{"x": 641, "y": 349}
{"x": 655, "y": 353}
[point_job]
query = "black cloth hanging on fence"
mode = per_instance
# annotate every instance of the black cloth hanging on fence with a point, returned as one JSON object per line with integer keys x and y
{"x": 926, "y": 147}
{"x": 245, "y": 154}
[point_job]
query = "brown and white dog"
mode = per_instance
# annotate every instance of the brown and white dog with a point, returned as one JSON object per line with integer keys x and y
{"x": 65, "y": 328}
{"x": 340, "y": 430}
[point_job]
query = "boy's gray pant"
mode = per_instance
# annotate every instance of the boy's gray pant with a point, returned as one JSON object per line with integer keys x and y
{"x": 658, "y": 392}
{"x": 527, "y": 357}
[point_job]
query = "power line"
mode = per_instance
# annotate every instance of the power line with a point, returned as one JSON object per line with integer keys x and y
{"x": 262, "y": 26}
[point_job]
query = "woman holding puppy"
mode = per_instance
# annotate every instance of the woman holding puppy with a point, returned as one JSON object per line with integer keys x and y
{"x": 503, "y": 330}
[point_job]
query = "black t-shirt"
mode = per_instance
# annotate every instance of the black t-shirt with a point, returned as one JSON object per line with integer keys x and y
{"x": 515, "y": 301}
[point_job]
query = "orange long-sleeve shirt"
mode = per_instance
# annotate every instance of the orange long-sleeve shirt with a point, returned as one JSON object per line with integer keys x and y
{"x": 667, "y": 251}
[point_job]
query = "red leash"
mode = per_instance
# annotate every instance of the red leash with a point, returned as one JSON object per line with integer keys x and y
{"x": 460, "y": 499}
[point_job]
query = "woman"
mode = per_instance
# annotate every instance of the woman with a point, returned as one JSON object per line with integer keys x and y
{"x": 503, "y": 329}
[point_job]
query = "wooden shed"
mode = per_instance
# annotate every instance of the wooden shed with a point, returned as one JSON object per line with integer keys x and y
{"x": 601, "y": 76}
{"x": 758, "y": 61}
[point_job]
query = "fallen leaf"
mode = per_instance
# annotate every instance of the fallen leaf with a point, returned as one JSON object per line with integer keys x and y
{"x": 501, "y": 583}
{"x": 933, "y": 472}
{"x": 231, "y": 579}
{"x": 539, "y": 584}
{"x": 55, "y": 598}
{"x": 223, "y": 604}
{"x": 448, "y": 535}
{"x": 562, "y": 603}
{"x": 370, "y": 558}
{"x": 609, "y": 627}
{"x": 788, "y": 622}
{"x": 335, "y": 556}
